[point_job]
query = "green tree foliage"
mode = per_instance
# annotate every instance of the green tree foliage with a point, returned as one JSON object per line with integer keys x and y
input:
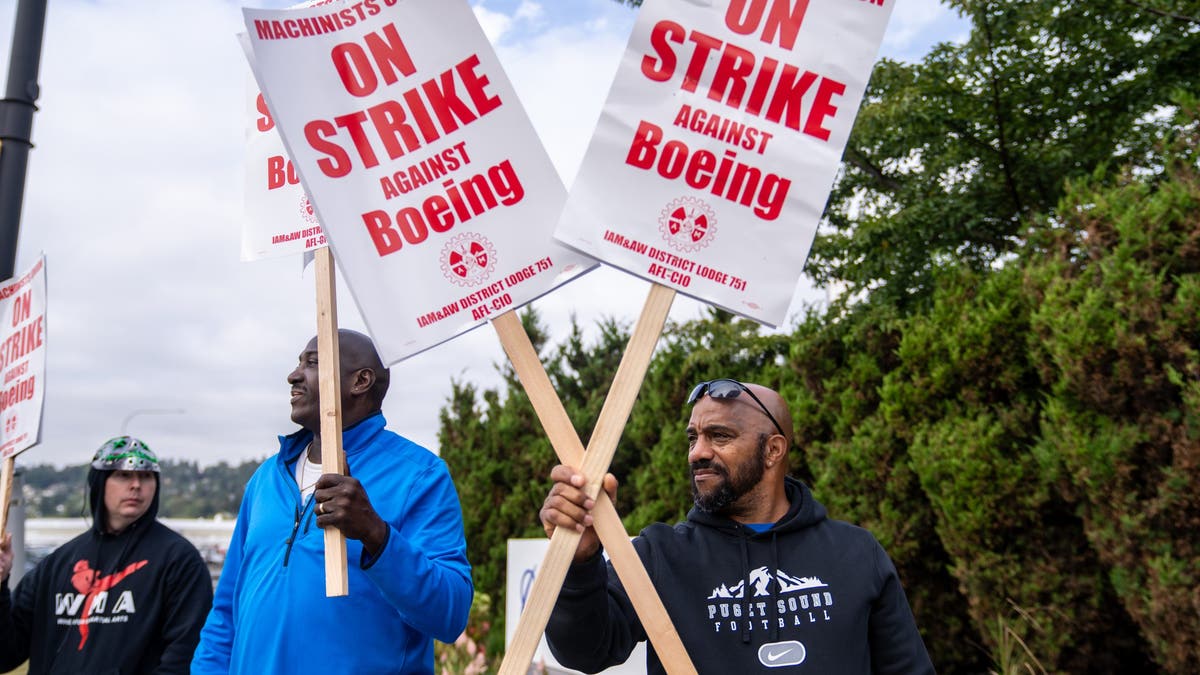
{"x": 858, "y": 462}
{"x": 968, "y": 401}
{"x": 1118, "y": 343}
{"x": 951, "y": 157}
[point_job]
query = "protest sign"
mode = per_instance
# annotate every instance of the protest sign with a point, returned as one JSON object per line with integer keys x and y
{"x": 23, "y": 363}
{"x": 433, "y": 189}
{"x": 279, "y": 218}
{"x": 716, "y": 150}
{"x": 22, "y": 359}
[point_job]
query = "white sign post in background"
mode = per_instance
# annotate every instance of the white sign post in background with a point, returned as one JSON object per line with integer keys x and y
{"x": 23, "y": 363}
{"x": 524, "y": 557}
{"x": 433, "y": 188}
{"x": 719, "y": 142}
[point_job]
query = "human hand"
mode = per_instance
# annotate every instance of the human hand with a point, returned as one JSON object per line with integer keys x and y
{"x": 342, "y": 502}
{"x": 568, "y": 505}
{"x": 6, "y": 555}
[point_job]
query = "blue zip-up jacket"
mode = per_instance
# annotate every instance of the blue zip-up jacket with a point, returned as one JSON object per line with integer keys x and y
{"x": 270, "y": 613}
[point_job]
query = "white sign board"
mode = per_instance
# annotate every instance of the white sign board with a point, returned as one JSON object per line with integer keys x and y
{"x": 525, "y": 556}
{"x": 22, "y": 359}
{"x": 719, "y": 142}
{"x": 434, "y": 191}
{"x": 280, "y": 218}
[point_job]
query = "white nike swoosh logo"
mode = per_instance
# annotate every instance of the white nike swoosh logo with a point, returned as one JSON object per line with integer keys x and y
{"x": 773, "y": 656}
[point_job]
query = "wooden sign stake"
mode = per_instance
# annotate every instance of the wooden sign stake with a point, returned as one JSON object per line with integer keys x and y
{"x": 6, "y": 482}
{"x": 594, "y": 465}
{"x": 333, "y": 460}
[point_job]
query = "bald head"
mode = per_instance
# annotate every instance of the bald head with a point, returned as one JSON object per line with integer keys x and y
{"x": 364, "y": 381}
{"x": 774, "y": 404}
{"x": 357, "y": 352}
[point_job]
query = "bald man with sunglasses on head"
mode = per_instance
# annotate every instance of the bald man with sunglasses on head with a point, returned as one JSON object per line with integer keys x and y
{"x": 756, "y": 579}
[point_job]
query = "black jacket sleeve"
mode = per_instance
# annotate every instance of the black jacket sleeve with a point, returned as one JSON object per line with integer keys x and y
{"x": 16, "y": 621}
{"x": 896, "y": 645}
{"x": 593, "y": 625}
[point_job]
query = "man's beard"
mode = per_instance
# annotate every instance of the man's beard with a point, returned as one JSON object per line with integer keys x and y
{"x": 732, "y": 487}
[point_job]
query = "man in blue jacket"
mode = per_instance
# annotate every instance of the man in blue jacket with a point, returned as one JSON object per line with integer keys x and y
{"x": 757, "y": 578}
{"x": 409, "y": 578}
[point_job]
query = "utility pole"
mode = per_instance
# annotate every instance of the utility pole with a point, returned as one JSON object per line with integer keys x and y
{"x": 16, "y": 124}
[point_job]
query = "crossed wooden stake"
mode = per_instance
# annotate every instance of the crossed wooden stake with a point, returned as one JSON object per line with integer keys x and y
{"x": 593, "y": 464}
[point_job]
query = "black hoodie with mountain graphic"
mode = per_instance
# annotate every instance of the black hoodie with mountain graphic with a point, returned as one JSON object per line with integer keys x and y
{"x": 808, "y": 595}
{"x": 132, "y": 602}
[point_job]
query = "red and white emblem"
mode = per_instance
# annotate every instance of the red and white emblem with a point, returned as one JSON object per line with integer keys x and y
{"x": 468, "y": 259}
{"x": 307, "y": 212}
{"x": 688, "y": 224}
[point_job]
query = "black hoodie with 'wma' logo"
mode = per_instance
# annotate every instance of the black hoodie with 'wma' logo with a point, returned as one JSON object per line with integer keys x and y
{"x": 128, "y": 603}
{"x": 808, "y": 595}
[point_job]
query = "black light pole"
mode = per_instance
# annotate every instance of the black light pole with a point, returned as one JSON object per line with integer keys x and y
{"x": 16, "y": 123}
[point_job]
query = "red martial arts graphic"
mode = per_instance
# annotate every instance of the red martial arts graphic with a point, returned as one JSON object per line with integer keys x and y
{"x": 87, "y": 580}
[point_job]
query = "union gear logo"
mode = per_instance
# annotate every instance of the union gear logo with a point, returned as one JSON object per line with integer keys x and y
{"x": 307, "y": 212}
{"x": 468, "y": 259}
{"x": 688, "y": 224}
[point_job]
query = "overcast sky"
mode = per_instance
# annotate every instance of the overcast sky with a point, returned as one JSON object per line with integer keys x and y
{"x": 134, "y": 193}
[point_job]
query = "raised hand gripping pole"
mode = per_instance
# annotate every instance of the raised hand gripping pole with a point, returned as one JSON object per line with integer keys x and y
{"x": 333, "y": 460}
{"x": 594, "y": 464}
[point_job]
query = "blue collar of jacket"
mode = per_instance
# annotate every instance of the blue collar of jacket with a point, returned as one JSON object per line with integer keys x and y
{"x": 355, "y": 438}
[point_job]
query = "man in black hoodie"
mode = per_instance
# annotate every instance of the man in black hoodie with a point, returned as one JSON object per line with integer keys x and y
{"x": 757, "y": 578}
{"x": 127, "y": 596}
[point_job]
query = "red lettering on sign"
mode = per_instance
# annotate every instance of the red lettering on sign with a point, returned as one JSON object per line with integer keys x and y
{"x": 463, "y": 200}
{"x": 280, "y": 172}
{"x": 745, "y": 16}
{"x": 443, "y": 109}
{"x": 387, "y": 52}
{"x": 741, "y": 80}
{"x": 264, "y": 123}
{"x": 726, "y": 177}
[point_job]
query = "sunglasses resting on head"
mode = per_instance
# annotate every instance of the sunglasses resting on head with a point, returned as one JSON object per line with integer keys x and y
{"x": 725, "y": 388}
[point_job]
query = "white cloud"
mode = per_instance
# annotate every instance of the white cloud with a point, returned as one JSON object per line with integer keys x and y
{"x": 916, "y": 25}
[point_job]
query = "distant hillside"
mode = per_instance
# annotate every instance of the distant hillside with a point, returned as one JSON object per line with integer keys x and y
{"x": 188, "y": 490}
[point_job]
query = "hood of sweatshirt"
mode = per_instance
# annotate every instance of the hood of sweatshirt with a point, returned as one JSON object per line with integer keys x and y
{"x": 803, "y": 511}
